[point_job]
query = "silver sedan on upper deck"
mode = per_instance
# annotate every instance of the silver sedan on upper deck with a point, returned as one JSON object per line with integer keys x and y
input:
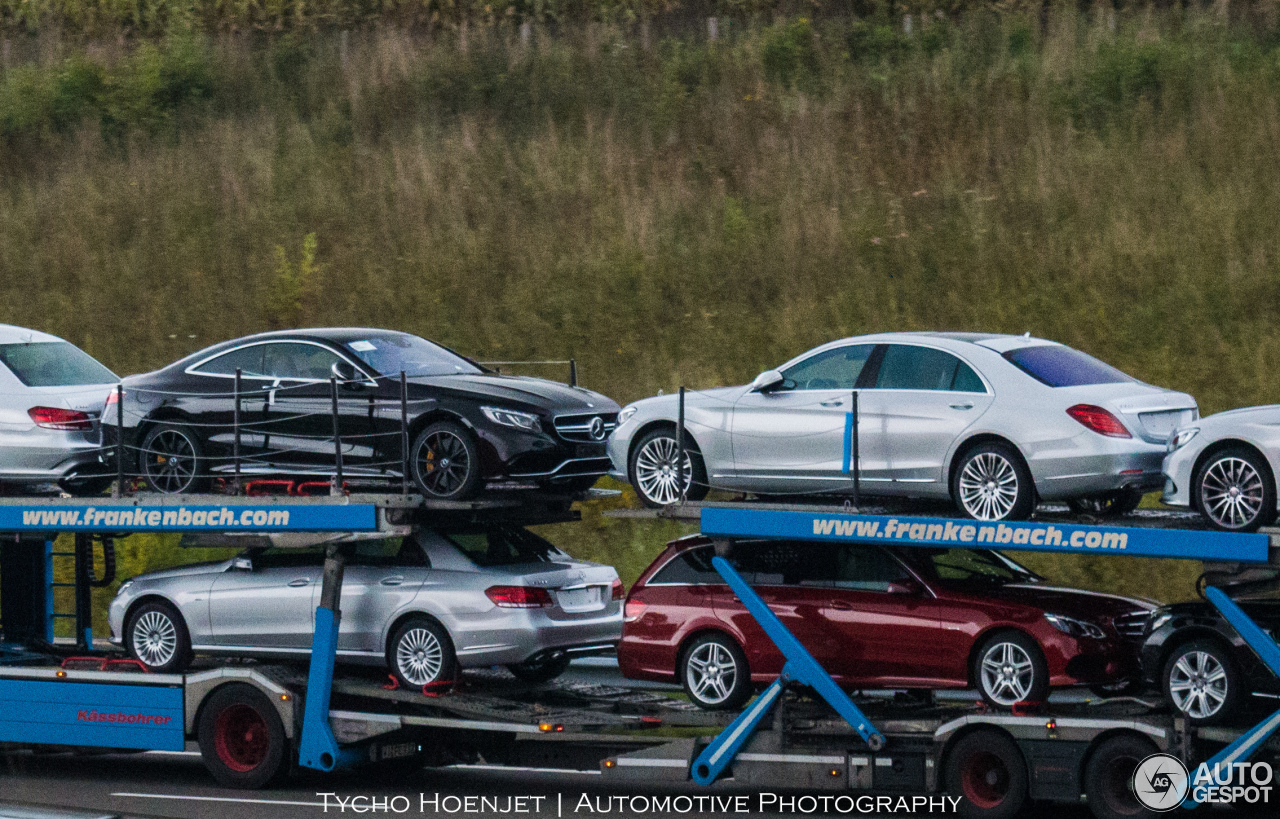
{"x": 991, "y": 421}
{"x": 1225, "y": 465}
{"x": 51, "y": 399}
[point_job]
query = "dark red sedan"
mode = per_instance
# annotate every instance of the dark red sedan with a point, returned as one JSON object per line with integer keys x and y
{"x": 874, "y": 616}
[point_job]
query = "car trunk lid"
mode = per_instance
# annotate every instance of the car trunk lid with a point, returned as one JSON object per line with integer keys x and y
{"x": 1149, "y": 413}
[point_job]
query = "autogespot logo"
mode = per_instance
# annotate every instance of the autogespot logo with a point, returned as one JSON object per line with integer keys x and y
{"x": 1160, "y": 782}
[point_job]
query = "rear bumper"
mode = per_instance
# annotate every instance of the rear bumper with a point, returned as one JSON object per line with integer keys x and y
{"x": 1105, "y": 466}
{"x": 506, "y": 636}
{"x": 36, "y": 455}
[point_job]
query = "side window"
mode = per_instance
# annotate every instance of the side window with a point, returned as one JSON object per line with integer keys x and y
{"x": 399, "y": 551}
{"x": 274, "y": 558}
{"x": 298, "y": 361}
{"x": 248, "y": 359}
{"x": 690, "y": 568}
{"x": 867, "y": 568}
{"x": 923, "y": 368}
{"x": 784, "y": 563}
{"x": 836, "y": 369}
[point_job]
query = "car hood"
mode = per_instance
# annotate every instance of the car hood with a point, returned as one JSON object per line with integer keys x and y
{"x": 186, "y": 571}
{"x": 719, "y": 397}
{"x": 1268, "y": 415}
{"x": 1266, "y": 613}
{"x": 1083, "y": 605}
{"x": 511, "y": 389}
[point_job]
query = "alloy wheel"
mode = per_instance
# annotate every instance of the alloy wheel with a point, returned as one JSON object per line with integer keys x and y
{"x": 443, "y": 463}
{"x": 170, "y": 462}
{"x": 988, "y": 486}
{"x": 1198, "y": 684}
{"x": 1231, "y": 492}
{"x": 1007, "y": 673}
{"x": 656, "y": 470}
{"x": 419, "y": 656}
{"x": 155, "y": 639}
{"x": 712, "y": 673}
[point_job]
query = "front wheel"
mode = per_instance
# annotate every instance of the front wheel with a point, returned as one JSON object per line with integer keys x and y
{"x": 654, "y": 470}
{"x": 1201, "y": 682}
{"x": 446, "y": 462}
{"x": 714, "y": 673}
{"x": 1010, "y": 668}
{"x": 1234, "y": 491}
{"x": 241, "y": 737}
{"x": 992, "y": 482}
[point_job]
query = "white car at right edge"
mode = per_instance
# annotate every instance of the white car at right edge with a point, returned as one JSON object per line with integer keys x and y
{"x": 1224, "y": 466}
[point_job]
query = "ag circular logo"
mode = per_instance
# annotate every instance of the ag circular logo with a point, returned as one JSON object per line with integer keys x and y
{"x": 1160, "y": 782}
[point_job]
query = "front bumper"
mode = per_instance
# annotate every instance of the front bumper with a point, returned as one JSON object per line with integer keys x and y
{"x": 1178, "y": 466}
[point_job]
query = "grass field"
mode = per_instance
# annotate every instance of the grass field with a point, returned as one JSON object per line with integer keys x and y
{"x": 689, "y": 212}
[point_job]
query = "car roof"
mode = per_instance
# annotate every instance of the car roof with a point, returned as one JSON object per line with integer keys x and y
{"x": 336, "y": 335}
{"x": 12, "y": 334}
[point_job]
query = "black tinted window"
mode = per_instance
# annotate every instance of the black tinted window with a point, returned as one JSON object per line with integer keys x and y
{"x": 1060, "y": 366}
{"x": 836, "y": 369}
{"x": 784, "y": 563}
{"x": 503, "y": 546}
{"x": 970, "y": 566}
{"x": 247, "y": 359}
{"x": 693, "y": 567}
{"x": 392, "y": 353}
{"x": 867, "y": 568}
{"x": 274, "y": 558}
{"x": 398, "y": 551}
{"x": 298, "y": 361}
{"x": 923, "y": 368}
{"x": 54, "y": 364}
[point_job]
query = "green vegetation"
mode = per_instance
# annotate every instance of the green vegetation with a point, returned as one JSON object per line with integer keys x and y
{"x": 690, "y": 212}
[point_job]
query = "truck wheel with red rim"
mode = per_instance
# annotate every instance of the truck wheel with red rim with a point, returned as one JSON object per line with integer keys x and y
{"x": 1108, "y": 777}
{"x": 986, "y": 769}
{"x": 241, "y": 737}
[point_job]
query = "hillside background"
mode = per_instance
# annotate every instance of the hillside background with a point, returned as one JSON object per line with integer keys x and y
{"x": 609, "y": 183}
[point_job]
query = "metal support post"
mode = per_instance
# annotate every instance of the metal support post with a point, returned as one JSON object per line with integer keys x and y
{"x": 235, "y": 423}
{"x": 83, "y": 591}
{"x": 573, "y": 372}
{"x": 50, "y": 616}
{"x": 853, "y": 449}
{"x": 336, "y": 489}
{"x": 800, "y": 668}
{"x": 119, "y": 490}
{"x": 317, "y": 747}
{"x": 404, "y": 434}
{"x": 680, "y": 453}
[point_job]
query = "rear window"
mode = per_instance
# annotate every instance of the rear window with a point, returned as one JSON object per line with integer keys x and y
{"x": 690, "y": 568}
{"x": 54, "y": 364}
{"x": 1060, "y": 366}
{"x": 503, "y": 546}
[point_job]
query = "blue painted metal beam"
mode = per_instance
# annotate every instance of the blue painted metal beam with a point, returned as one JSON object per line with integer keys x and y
{"x": 318, "y": 748}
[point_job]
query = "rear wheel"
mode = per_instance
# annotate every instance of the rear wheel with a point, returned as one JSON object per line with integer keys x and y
{"x": 1201, "y": 682}
{"x": 654, "y": 471}
{"x": 988, "y": 771}
{"x": 421, "y": 654}
{"x": 992, "y": 482}
{"x": 173, "y": 461}
{"x": 446, "y": 462}
{"x": 1234, "y": 490}
{"x": 536, "y": 673}
{"x": 1010, "y": 668}
{"x": 714, "y": 673}
{"x": 1108, "y": 777}
{"x": 241, "y": 737}
{"x": 157, "y": 636}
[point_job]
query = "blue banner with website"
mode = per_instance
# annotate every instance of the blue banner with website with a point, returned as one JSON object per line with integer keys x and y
{"x": 176, "y": 517}
{"x": 1013, "y": 535}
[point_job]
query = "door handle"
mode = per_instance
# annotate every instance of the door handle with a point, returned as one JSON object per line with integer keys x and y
{"x": 963, "y": 406}
{"x": 393, "y": 581}
{"x": 834, "y": 403}
{"x": 840, "y": 605}
{"x": 298, "y": 583}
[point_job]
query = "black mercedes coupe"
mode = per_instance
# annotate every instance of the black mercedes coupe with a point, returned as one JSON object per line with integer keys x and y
{"x": 467, "y": 425}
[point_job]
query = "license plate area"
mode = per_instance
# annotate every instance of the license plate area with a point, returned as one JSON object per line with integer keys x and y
{"x": 581, "y": 599}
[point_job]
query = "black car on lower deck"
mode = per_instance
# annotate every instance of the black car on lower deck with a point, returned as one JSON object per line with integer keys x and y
{"x": 1204, "y": 668}
{"x": 466, "y": 425}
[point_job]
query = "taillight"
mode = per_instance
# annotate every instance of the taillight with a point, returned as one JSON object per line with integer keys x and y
{"x": 632, "y": 610}
{"x": 1099, "y": 420}
{"x": 519, "y": 597}
{"x": 619, "y": 591}
{"x": 113, "y": 397}
{"x": 58, "y": 418}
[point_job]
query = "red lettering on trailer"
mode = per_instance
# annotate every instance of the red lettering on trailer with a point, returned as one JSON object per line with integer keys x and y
{"x": 121, "y": 717}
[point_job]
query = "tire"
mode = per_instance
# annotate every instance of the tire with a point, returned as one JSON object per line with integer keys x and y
{"x": 420, "y": 653}
{"x": 1009, "y": 668}
{"x": 1216, "y": 697}
{"x": 241, "y": 737}
{"x": 652, "y": 469}
{"x": 986, "y": 769}
{"x": 156, "y": 635}
{"x": 86, "y": 486}
{"x": 172, "y": 460}
{"x": 1108, "y": 777}
{"x": 1124, "y": 688}
{"x": 1242, "y": 471}
{"x": 992, "y": 482}
{"x": 446, "y": 462}
{"x": 714, "y": 673}
{"x": 540, "y": 672}
{"x": 1113, "y": 505}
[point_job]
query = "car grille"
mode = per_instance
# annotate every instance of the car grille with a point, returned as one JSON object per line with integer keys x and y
{"x": 1131, "y": 625}
{"x": 583, "y": 427}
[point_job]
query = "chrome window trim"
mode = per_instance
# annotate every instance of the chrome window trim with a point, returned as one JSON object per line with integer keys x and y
{"x": 192, "y": 369}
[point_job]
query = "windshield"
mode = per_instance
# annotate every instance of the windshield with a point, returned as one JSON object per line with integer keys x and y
{"x": 1060, "y": 366}
{"x": 54, "y": 364}
{"x": 970, "y": 566}
{"x": 393, "y": 353}
{"x": 503, "y": 546}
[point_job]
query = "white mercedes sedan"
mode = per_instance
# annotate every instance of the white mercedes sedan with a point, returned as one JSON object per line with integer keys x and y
{"x": 1225, "y": 465}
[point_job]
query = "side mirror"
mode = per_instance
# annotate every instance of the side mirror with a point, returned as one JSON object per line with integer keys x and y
{"x": 343, "y": 371}
{"x": 767, "y": 380}
{"x": 904, "y": 587}
{"x": 242, "y": 564}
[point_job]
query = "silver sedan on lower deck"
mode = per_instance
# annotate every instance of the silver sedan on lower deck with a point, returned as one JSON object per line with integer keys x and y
{"x": 994, "y": 422}
{"x": 424, "y": 606}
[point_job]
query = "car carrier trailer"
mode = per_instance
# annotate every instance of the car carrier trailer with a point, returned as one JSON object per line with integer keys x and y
{"x": 253, "y": 723}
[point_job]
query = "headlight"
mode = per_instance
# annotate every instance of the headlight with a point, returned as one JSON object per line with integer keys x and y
{"x": 511, "y": 418}
{"x": 1181, "y": 438}
{"x": 626, "y": 414}
{"x": 1074, "y": 627}
{"x": 1158, "y": 622}
{"x": 123, "y": 586}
